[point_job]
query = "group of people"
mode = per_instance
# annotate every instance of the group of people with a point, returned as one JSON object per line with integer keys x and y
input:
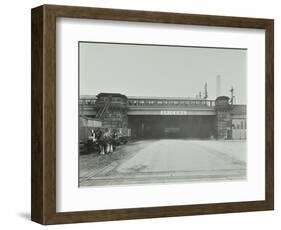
{"x": 105, "y": 140}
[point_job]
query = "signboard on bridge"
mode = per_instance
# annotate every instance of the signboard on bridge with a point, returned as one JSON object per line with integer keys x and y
{"x": 173, "y": 112}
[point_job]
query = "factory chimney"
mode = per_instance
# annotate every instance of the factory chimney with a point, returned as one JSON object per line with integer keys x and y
{"x": 205, "y": 91}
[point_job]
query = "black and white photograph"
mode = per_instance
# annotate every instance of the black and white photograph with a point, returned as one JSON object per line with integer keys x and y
{"x": 158, "y": 114}
{"x": 143, "y": 113}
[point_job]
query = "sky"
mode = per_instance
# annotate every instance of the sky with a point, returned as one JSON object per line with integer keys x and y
{"x": 161, "y": 71}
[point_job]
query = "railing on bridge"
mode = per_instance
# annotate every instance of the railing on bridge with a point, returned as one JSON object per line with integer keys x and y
{"x": 140, "y": 102}
{"x": 170, "y": 102}
{"x": 87, "y": 101}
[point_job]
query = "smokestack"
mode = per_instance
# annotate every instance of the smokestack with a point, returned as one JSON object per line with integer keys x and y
{"x": 218, "y": 86}
{"x": 205, "y": 91}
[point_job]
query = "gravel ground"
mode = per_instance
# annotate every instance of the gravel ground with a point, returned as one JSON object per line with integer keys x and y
{"x": 164, "y": 161}
{"x": 95, "y": 162}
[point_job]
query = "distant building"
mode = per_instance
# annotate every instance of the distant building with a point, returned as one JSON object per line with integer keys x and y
{"x": 228, "y": 117}
{"x": 239, "y": 121}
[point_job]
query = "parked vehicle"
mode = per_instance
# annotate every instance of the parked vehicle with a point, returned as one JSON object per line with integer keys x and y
{"x": 121, "y": 139}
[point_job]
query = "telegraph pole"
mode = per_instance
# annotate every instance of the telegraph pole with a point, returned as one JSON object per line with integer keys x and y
{"x": 232, "y": 95}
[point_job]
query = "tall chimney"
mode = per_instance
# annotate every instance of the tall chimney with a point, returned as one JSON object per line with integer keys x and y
{"x": 205, "y": 91}
{"x": 218, "y": 86}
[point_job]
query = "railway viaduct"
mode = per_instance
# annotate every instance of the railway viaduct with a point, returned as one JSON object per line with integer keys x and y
{"x": 161, "y": 117}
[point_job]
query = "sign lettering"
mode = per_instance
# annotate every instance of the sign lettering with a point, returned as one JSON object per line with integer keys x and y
{"x": 173, "y": 112}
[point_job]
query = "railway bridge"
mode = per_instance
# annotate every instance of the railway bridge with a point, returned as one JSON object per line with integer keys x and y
{"x": 167, "y": 117}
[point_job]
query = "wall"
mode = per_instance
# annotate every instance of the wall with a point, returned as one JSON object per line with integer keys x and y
{"x": 15, "y": 106}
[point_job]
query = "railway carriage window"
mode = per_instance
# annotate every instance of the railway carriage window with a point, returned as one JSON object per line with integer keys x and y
{"x": 241, "y": 124}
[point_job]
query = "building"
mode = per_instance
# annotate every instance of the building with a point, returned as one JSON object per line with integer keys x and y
{"x": 161, "y": 117}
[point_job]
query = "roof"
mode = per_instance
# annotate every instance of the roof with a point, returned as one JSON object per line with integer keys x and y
{"x": 111, "y": 94}
{"x": 88, "y": 97}
{"x": 140, "y": 97}
{"x": 225, "y": 98}
{"x": 164, "y": 98}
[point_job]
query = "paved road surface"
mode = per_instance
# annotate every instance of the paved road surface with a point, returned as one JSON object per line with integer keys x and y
{"x": 172, "y": 160}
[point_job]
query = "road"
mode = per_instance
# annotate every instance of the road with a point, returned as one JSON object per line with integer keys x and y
{"x": 171, "y": 161}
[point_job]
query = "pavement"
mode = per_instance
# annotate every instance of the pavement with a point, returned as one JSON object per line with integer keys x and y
{"x": 171, "y": 161}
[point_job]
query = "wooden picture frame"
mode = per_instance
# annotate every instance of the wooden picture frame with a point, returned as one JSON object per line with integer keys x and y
{"x": 43, "y": 202}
